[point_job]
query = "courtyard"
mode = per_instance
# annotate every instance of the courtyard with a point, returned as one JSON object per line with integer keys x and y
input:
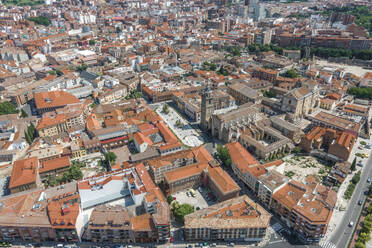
{"x": 299, "y": 167}
{"x": 198, "y": 201}
{"x": 180, "y": 127}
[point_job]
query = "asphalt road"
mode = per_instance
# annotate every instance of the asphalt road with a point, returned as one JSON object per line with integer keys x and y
{"x": 342, "y": 235}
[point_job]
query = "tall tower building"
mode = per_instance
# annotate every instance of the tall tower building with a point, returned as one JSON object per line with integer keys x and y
{"x": 207, "y": 108}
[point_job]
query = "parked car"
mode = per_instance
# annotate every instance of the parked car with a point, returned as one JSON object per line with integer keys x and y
{"x": 369, "y": 180}
{"x": 360, "y": 202}
{"x": 351, "y": 223}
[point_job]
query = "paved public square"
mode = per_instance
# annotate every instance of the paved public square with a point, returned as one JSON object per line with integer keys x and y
{"x": 187, "y": 134}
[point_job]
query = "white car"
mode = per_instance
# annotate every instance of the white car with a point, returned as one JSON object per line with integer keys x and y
{"x": 351, "y": 224}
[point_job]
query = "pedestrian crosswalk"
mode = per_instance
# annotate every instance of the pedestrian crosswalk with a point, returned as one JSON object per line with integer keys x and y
{"x": 327, "y": 244}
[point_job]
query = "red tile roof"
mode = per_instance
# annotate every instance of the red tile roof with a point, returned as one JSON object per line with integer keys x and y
{"x": 24, "y": 172}
{"x": 54, "y": 99}
{"x": 54, "y": 164}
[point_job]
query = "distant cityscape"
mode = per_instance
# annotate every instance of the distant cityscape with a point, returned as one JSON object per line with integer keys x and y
{"x": 220, "y": 123}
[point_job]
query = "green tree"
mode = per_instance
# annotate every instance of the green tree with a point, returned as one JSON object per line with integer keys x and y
{"x": 224, "y": 155}
{"x": 212, "y": 67}
{"x": 82, "y": 67}
{"x": 75, "y": 172}
{"x": 23, "y": 114}
{"x": 182, "y": 211}
{"x": 7, "y": 108}
{"x": 359, "y": 245}
{"x": 110, "y": 157}
{"x": 165, "y": 109}
{"x": 364, "y": 237}
{"x": 27, "y": 137}
{"x": 369, "y": 209}
{"x": 169, "y": 199}
{"x": 92, "y": 42}
{"x": 59, "y": 72}
{"x": 290, "y": 74}
{"x": 367, "y": 226}
{"x": 40, "y": 20}
{"x": 353, "y": 165}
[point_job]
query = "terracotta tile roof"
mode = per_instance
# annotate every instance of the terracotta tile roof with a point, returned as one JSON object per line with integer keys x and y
{"x": 23, "y": 172}
{"x": 273, "y": 163}
{"x": 154, "y": 195}
{"x": 222, "y": 180}
{"x": 49, "y": 121}
{"x": 167, "y": 134}
{"x": 290, "y": 194}
{"x": 54, "y": 99}
{"x": 240, "y": 156}
{"x": 238, "y": 212}
{"x": 184, "y": 172}
{"x": 142, "y": 223}
{"x": 145, "y": 177}
{"x": 54, "y": 164}
{"x": 63, "y": 211}
{"x": 18, "y": 210}
{"x": 202, "y": 155}
{"x": 140, "y": 138}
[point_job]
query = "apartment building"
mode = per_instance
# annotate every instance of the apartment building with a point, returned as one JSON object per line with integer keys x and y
{"x": 50, "y": 101}
{"x": 52, "y": 125}
{"x": 109, "y": 224}
{"x": 237, "y": 219}
{"x": 185, "y": 177}
{"x": 265, "y": 74}
{"x": 270, "y": 183}
{"x": 159, "y": 166}
{"x": 337, "y": 143}
{"x": 63, "y": 211}
{"x": 244, "y": 165}
{"x": 23, "y": 218}
{"x": 306, "y": 207}
{"x": 24, "y": 175}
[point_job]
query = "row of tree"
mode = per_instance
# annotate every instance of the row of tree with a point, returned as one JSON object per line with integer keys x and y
{"x": 7, "y": 108}
{"x": 40, "y": 20}
{"x": 30, "y": 133}
{"x": 363, "y": 93}
{"x": 365, "y": 231}
{"x": 352, "y": 185}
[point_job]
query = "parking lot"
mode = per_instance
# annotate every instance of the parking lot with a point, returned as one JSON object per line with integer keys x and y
{"x": 199, "y": 200}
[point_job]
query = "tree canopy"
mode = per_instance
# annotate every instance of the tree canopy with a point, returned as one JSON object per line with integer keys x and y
{"x": 40, "y": 20}
{"x": 363, "y": 93}
{"x": 224, "y": 155}
{"x": 110, "y": 157}
{"x": 182, "y": 211}
{"x": 7, "y": 108}
{"x": 291, "y": 73}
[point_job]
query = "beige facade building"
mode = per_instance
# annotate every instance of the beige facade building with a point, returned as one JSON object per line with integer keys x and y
{"x": 300, "y": 102}
{"x": 237, "y": 219}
